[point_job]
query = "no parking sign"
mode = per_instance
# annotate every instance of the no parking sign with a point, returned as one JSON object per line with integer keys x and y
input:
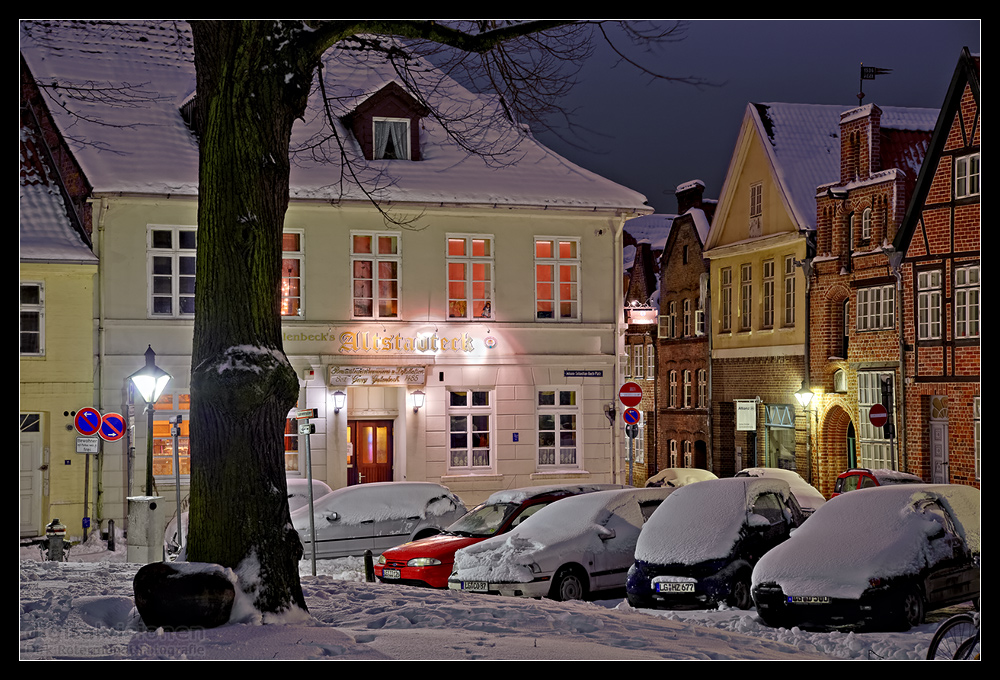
{"x": 112, "y": 427}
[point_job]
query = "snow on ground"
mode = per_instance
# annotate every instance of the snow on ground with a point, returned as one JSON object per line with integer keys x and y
{"x": 83, "y": 609}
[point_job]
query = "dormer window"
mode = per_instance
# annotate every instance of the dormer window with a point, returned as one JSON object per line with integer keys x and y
{"x": 391, "y": 138}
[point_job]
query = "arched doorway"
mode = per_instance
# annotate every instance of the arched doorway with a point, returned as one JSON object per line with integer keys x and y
{"x": 836, "y": 448}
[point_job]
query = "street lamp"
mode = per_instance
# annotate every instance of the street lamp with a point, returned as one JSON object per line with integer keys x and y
{"x": 805, "y": 396}
{"x": 149, "y": 381}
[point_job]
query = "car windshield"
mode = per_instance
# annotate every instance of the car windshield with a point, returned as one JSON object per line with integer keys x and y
{"x": 483, "y": 520}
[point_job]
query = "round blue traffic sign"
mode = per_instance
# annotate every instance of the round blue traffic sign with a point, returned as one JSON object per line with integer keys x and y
{"x": 631, "y": 416}
{"x": 88, "y": 421}
{"x": 112, "y": 427}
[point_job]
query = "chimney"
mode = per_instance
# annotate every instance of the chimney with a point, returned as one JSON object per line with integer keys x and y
{"x": 689, "y": 195}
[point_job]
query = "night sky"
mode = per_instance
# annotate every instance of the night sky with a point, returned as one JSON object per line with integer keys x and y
{"x": 652, "y": 135}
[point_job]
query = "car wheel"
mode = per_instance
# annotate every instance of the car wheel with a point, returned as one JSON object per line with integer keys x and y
{"x": 739, "y": 595}
{"x": 911, "y": 609}
{"x": 568, "y": 585}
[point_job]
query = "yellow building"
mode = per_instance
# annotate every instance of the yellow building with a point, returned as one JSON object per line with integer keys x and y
{"x": 57, "y": 270}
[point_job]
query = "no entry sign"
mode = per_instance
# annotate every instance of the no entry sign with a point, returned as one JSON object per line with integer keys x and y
{"x": 877, "y": 415}
{"x": 630, "y": 394}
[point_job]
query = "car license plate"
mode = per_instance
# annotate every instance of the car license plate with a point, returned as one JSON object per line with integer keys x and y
{"x": 390, "y": 573}
{"x": 674, "y": 587}
{"x": 808, "y": 599}
{"x": 475, "y": 586}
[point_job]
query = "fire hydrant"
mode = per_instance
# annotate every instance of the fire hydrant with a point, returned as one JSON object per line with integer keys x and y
{"x": 55, "y": 533}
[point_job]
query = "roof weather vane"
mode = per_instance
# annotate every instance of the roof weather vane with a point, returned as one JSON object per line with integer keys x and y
{"x": 869, "y": 73}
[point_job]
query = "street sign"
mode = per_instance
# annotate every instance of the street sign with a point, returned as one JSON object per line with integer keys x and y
{"x": 88, "y": 445}
{"x": 306, "y": 414}
{"x": 87, "y": 421}
{"x": 631, "y": 416}
{"x": 631, "y": 431}
{"x": 112, "y": 427}
{"x": 630, "y": 394}
{"x": 877, "y": 415}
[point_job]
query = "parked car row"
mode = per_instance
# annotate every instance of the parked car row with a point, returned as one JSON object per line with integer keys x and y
{"x": 877, "y": 557}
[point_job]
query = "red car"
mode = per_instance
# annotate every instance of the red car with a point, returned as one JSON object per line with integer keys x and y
{"x": 428, "y": 562}
{"x": 863, "y": 478}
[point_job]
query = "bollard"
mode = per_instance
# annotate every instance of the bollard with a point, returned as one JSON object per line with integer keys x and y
{"x": 369, "y": 567}
{"x": 111, "y": 535}
{"x": 55, "y": 534}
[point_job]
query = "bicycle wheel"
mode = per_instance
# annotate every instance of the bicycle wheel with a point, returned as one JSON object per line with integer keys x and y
{"x": 968, "y": 650}
{"x": 950, "y": 636}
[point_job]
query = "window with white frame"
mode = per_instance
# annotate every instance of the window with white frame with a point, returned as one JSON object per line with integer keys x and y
{"x": 674, "y": 462}
{"x": 559, "y": 433}
{"x": 929, "y": 300}
{"x": 967, "y": 176}
{"x": 638, "y": 362}
{"x": 470, "y": 418}
{"x": 626, "y": 361}
{"x": 639, "y": 444}
{"x": 292, "y": 261}
{"x": 967, "y": 302}
{"x": 687, "y": 318}
{"x": 789, "y": 290}
{"x": 688, "y": 454}
{"x": 746, "y": 296}
{"x": 866, "y": 224}
{"x": 650, "y": 362}
{"x": 391, "y": 138}
{"x": 702, "y": 388}
{"x": 470, "y": 277}
{"x": 699, "y": 320}
{"x": 375, "y": 274}
{"x": 557, "y": 279}
{"x": 874, "y": 450}
{"x": 877, "y": 308}
{"x": 673, "y": 389}
{"x": 171, "y": 260}
{"x": 672, "y": 320}
{"x": 767, "y": 294}
{"x": 756, "y": 199}
{"x": 32, "y": 328}
{"x": 975, "y": 434}
{"x": 688, "y": 389}
{"x": 726, "y": 299}
{"x": 779, "y": 436}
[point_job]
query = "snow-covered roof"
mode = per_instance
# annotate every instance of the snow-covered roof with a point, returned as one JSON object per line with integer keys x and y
{"x": 45, "y": 228}
{"x": 653, "y": 229}
{"x": 879, "y": 532}
{"x": 135, "y": 140}
{"x": 804, "y": 146}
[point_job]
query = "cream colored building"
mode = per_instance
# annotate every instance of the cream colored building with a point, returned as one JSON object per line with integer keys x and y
{"x": 475, "y": 346}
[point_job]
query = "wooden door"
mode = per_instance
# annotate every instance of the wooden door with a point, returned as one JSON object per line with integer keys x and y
{"x": 372, "y": 455}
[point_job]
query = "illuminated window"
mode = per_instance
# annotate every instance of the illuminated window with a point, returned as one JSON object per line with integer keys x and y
{"x": 470, "y": 414}
{"x": 557, "y": 276}
{"x": 292, "y": 260}
{"x": 470, "y": 277}
{"x": 168, "y": 405}
{"x": 558, "y": 413}
{"x": 375, "y": 270}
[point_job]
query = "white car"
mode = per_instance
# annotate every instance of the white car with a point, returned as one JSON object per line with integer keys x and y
{"x": 564, "y": 551}
{"x": 376, "y": 517}
{"x": 808, "y": 496}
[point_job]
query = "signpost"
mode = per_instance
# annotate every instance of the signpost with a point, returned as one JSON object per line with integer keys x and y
{"x": 630, "y": 395}
{"x": 305, "y": 429}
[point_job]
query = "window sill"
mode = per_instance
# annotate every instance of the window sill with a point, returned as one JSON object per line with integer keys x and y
{"x": 563, "y": 474}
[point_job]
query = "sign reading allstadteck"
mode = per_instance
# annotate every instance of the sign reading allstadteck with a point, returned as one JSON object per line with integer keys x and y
{"x": 630, "y": 394}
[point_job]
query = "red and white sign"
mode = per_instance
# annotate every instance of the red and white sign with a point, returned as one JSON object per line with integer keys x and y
{"x": 630, "y": 394}
{"x": 88, "y": 421}
{"x": 112, "y": 427}
{"x": 877, "y": 415}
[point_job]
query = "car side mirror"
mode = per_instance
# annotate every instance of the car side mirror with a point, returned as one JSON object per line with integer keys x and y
{"x": 332, "y": 517}
{"x": 605, "y": 533}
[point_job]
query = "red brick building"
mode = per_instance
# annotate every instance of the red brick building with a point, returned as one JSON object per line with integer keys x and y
{"x": 940, "y": 243}
{"x": 854, "y": 330}
{"x": 683, "y": 429}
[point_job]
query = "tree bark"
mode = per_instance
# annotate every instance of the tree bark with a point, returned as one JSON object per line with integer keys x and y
{"x": 251, "y": 85}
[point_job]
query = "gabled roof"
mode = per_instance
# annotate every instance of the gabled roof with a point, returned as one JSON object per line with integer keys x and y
{"x": 966, "y": 73}
{"x": 802, "y": 144}
{"x": 133, "y": 139}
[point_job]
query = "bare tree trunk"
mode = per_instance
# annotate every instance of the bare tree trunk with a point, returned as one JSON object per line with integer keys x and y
{"x": 249, "y": 93}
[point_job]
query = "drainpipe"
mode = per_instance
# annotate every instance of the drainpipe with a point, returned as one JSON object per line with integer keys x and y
{"x": 895, "y": 266}
{"x": 101, "y": 208}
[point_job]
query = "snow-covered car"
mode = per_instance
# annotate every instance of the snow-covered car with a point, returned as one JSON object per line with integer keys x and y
{"x": 376, "y": 517}
{"x": 298, "y": 496}
{"x": 877, "y": 557}
{"x": 566, "y": 551}
{"x": 679, "y": 477}
{"x": 699, "y": 547}
{"x": 806, "y": 494}
{"x": 429, "y": 561}
{"x": 863, "y": 478}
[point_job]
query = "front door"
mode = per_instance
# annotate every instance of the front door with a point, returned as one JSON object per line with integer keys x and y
{"x": 31, "y": 483}
{"x": 939, "y": 439}
{"x": 372, "y": 451}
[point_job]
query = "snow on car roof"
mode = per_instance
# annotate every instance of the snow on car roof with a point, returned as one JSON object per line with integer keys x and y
{"x": 680, "y": 476}
{"x": 701, "y": 521}
{"x": 895, "y": 477}
{"x": 869, "y": 533}
{"x": 805, "y": 493}
{"x": 571, "y": 526}
{"x": 382, "y": 501}
{"x": 523, "y": 494}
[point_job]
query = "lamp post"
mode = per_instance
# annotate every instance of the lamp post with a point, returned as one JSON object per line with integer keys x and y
{"x": 149, "y": 381}
{"x": 804, "y": 396}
